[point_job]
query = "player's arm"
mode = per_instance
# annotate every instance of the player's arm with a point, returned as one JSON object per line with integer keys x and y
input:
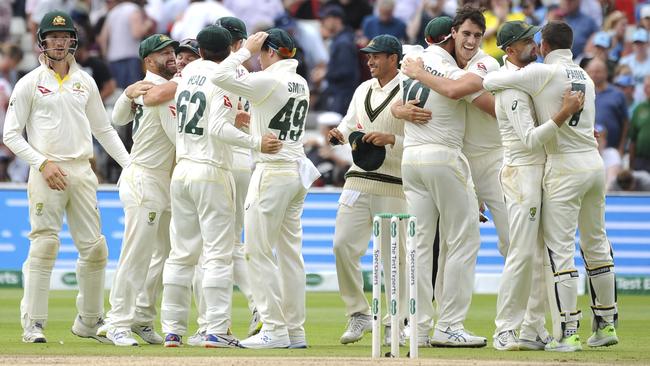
{"x": 410, "y": 112}
{"x": 159, "y": 94}
{"x": 102, "y": 129}
{"x": 531, "y": 79}
{"x": 123, "y": 112}
{"x": 20, "y": 106}
{"x": 167, "y": 114}
{"x": 485, "y": 102}
{"x": 455, "y": 89}
{"x": 348, "y": 123}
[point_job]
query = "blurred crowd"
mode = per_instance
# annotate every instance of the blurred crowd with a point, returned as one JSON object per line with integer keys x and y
{"x": 611, "y": 43}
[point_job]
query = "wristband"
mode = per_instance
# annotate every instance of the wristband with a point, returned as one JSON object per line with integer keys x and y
{"x": 40, "y": 168}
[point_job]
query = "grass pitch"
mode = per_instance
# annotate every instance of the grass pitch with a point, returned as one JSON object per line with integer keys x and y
{"x": 325, "y": 323}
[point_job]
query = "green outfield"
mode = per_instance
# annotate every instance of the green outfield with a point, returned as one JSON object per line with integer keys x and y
{"x": 325, "y": 323}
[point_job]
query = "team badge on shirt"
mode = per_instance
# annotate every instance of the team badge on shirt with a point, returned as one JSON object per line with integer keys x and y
{"x": 481, "y": 66}
{"x": 43, "y": 90}
{"x": 152, "y": 217}
{"x": 532, "y": 213}
{"x": 39, "y": 209}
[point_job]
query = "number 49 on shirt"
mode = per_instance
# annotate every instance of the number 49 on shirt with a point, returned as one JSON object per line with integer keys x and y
{"x": 290, "y": 120}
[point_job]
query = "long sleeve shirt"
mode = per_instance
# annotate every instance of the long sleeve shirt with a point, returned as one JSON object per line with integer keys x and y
{"x": 60, "y": 115}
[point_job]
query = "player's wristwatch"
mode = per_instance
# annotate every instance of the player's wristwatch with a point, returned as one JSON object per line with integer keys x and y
{"x": 40, "y": 168}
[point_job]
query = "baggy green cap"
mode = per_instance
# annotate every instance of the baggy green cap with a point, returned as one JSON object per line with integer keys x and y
{"x": 155, "y": 43}
{"x": 512, "y": 31}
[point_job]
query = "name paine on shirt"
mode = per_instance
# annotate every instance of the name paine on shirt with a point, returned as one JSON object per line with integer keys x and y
{"x": 296, "y": 88}
{"x": 575, "y": 74}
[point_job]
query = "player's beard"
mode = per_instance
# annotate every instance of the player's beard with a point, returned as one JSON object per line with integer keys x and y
{"x": 166, "y": 71}
{"x": 528, "y": 55}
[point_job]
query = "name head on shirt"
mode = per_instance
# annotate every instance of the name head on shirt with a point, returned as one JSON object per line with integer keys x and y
{"x": 297, "y": 88}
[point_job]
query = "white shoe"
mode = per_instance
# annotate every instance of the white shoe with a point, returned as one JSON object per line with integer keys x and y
{"x": 147, "y": 333}
{"x": 196, "y": 340}
{"x": 424, "y": 341}
{"x": 537, "y": 344}
{"x": 81, "y": 329}
{"x": 122, "y": 338}
{"x": 358, "y": 325}
{"x": 268, "y": 339}
{"x": 103, "y": 329}
{"x": 256, "y": 323}
{"x": 506, "y": 341}
{"x": 387, "y": 335}
{"x": 297, "y": 338}
{"x": 34, "y": 333}
{"x": 220, "y": 341}
{"x": 456, "y": 338}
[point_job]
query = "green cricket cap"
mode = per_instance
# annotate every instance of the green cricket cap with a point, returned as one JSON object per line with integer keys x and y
{"x": 384, "y": 43}
{"x": 513, "y": 31}
{"x": 281, "y": 42}
{"x": 235, "y": 26}
{"x": 438, "y": 29}
{"x": 155, "y": 43}
{"x": 56, "y": 21}
{"x": 214, "y": 38}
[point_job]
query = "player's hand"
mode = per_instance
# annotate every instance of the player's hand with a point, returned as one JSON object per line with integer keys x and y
{"x": 54, "y": 176}
{"x": 271, "y": 144}
{"x": 379, "y": 138}
{"x": 254, "y": 43}
{"x": 335, "y": 137}
{"x": 243, "y": 118}
{"x": 411, "y": 112}
{"x": 481, "y": 214}
{"x": 413, "y": 68}
{"x": 138, "y": 88}
{"x": 573, "y": 101}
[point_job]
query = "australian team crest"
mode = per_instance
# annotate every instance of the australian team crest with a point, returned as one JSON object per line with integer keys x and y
{"x": 58, "y": 20}
{"x": 39, "y": 209}
{"x": 152, "y": 217}
{"x": 532, "y": 213}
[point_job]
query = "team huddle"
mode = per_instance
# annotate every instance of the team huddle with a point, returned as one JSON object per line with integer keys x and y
{"x": 438, "y": 133}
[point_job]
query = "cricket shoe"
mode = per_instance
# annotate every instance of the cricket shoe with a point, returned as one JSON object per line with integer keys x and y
{"x": 255, "y": 325}
{"x": 172, "y": 340}
{"x": 268, "y": 339}
{"x": 506, "y": 341}
{"x": 456, "y": 338}
{"x": 566, "y": 344}
{"x": 83, "y": 330}
{"x": 537, "y": 344}
{"x": 147, "y": 333}
{"x": 122, "y": 338}
{"x": 358, "y": 325}
{"x": 603, "y": 337}
{"x": 34, "y": 333}
{"x": 297, "y": 338}
{"x": 220, "y": 341}
{"x": 387, "y": 337}
{"x": 424, "y": 341}
{"x": 196, "y": 340}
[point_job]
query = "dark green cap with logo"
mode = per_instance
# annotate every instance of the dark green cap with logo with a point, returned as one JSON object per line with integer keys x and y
{"x": 214, "y": 38}
{"x": 155, "y": 43}
{"x": 513, "y": 31}
{"x": 384, "y": 43}
{"x": 438, "y": 29}
{"x": 366, "y": 155}
{"x": 235, "y": 26}
{"x": 56, "y": 21}
{"x": 281, "y": 42}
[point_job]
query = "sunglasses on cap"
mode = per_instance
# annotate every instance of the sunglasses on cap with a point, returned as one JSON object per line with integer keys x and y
{"x": 282, "y": 51}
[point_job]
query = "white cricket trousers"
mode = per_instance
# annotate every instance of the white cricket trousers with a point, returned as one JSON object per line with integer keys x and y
{"x": 521, "y": 300}
{"x": 574, "y": 192}
{"x": 351, "y": 236}
{"x": 485, "y": 170}
{"x": 438, "y": 184}
{"x": 145, "y": 196}
{"x": 273, "y": 236}
{"x": 46, "y": 208}
{"x": 203, "y": 220}
{"x": 242, "y": 178}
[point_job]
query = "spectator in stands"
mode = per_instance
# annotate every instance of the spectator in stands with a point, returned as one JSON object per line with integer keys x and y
{"x": 10, "y": 57}
{"x": 624, "y": 81}
{"x": 611, "y": 108}
{"x": 644, "y": 17}
{"x": 429, "y": 9}
{"x": 583, "y": 25}
{"x": 611, "y": 158}
{"x": 303, "y": 9}
{"x": 615, "y": 24}
{"x": 255, "y": 12}
{"x": 599, "y": 48}
{"x": 639, "y": 62}
{"x": 198, "y": 15}
{"x": 342, "y": 75}
{"x": 5, "y": 20}
{"x": 534, "y": 11}
{"x": 631, "y": 181}
{"x": 384, "y": 22}
{"x": 498, "y": 13}
{"x": 309, "y": 40}
{"x": 640, "y": 133}
{"x": 355, "y": 11}
{"x": 332, "y": 161}
{"x": 125, "y": 25}
{"x": 96, "y": 67}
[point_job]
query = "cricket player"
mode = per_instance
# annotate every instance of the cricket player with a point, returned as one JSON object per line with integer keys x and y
{"x": 203, "y": 196}
{"x": 573, "y": 190}
{"x": 482, "y": 141}
{"x": 438, "y": 184}
{"x": 365, "y": 193}
{"x": 522, "y": 298}
{"x": 279, "y": 100}
{"x": 60, "y": 106}
{"x": 144, "y": 192}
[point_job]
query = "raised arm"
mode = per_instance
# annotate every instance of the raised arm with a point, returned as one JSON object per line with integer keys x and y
{"x": 123, "y": 111}
{"x": 455, "y": 89}
{"x": 531, "y": 79}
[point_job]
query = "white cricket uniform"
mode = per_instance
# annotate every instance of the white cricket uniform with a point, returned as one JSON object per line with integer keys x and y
{"x": 144, "y": 192}
{"x": 279, "y": 103}
{"x": 522, "y": 294}
{"x": 61, "y": 116}
{"x": 484, "y": 151}
{"x": 202, "y": 191}
{"x": 573, "y": 185}
{"x": 366, "y": 194}
{"x": 438, "y": 184}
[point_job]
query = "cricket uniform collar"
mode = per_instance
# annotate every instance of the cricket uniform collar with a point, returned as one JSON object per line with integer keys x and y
{"x": 287, "y": 65}
{"x": 559, "y": 56}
